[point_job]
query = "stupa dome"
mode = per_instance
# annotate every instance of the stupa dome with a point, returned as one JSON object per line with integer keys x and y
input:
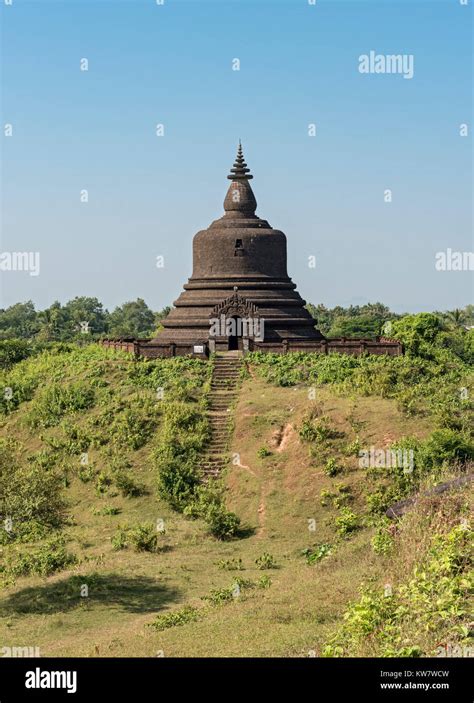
{"x": 239, "y": 264}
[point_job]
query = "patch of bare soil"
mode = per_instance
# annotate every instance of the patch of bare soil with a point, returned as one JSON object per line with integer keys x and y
{"x": 281, "y": 437}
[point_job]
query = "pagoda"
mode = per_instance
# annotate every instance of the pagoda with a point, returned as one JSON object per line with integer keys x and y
{"x": 240, "y": 274}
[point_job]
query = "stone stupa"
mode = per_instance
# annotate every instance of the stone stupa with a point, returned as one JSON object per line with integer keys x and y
{"x": 239, "y": 271}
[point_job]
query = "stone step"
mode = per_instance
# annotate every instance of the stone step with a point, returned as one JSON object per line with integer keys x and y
{"x": 223, "y": 392}
{"x": 227, "y": 376}
{"x": 226, "y": 370}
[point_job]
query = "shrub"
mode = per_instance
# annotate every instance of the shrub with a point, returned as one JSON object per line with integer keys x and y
{"x": 127, "y": 486}
{"x": 86, "y": 473}
{"x": 14, "y": 350}
{"x": 177, "y": 617}
{"x": 221, "y": 523}
{"x": 314, "y": 554}
{"x": 31, "y": 496}
{"x": 134, "y": 425}
{"x": 219, "y": 596}
{"x": 320, "y": 431}
{"x": 231, "y": 564}
{"x": 108, "y": 510}
{"x": 119, "y": 540}
{"x": 266, "y": 561}
{"x": 184, "y": 433}
{"x": 416, "y": 331}
{"x": 143, "y": 538}
{"x": 331, "y": 468}
{"x": 43, "y": 560}
{"x": 103, "y": 483}
{"x": 178, "y": 480}
{"x": 263, "y": 452}
{"x": 432, "y": 602}
{"x": 353, "y": 448}
{"x": 347, "y": 522}
{"x": 54, "y": 401}
{"x": 264, "y": 581}
{"x": 342, "y": 496}
{"x": 382, "y": 543}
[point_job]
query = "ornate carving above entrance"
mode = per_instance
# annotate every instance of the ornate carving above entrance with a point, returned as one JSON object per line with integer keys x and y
{"x": 235, "y": 304}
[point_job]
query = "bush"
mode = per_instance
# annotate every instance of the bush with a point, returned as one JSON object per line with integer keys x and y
{"x": 314, "y": 554}
{"x": 429, "y": 607}
{"x": 31, "y": 496}
{"x": 14, "y": 350}
{"x": 416, "y": 331}
{"x": 347, "y": 522}
{"x": 266, "y": 561}
{"x": 86, "y": 473}
{"x": 54, "y": 401}
{"x": 143, "y": 538}
{"x": 320, "y": 431}
{"x": 264, "y": 581}
{"x": 178, "y": 617}
{"x": 103, "y": 482}
{"x": 184, "y": 434}
{"x": 221, "y": 523}
{"x": 133, "y": 427}
{"x": 219, "y": 596}
{"x": 263, "y": 452}
{"x": 119, "y": 540}
{"x": 331, "y": 468}
{"x": 44, "y": 560}
{"x": 107, "y": 510}
{"x": 127, "y": 486}
{"x": 231, "y": 564}
{"x": 382, "y": 543}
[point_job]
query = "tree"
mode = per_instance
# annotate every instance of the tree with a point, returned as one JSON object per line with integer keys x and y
{"x": 52, "y": 323}
{"x": 417, "y": 331}
{"x": 457, "y": 317}
{"x": 19, "y": 320}
{"x": 354, "y": 321}
{"x": 85, "y": 313}
{"x": 356, "y": 326}
{"x": 132, "y": 319}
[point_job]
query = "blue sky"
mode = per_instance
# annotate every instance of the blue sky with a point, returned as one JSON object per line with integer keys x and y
{"x": 149, "y": 195}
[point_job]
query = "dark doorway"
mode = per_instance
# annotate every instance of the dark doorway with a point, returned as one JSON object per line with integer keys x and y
{"x": 234, "y": 338}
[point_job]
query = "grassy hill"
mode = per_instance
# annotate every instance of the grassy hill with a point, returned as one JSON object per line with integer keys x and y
{"x": 111, "y": 547}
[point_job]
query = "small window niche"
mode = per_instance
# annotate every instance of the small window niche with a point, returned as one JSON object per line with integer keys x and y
{"x": 239, "y": 248}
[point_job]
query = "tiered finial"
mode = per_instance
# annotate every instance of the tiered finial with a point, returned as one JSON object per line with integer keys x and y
{"x": 239, "y": 171}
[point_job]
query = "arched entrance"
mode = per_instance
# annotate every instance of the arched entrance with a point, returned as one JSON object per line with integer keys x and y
{"x": 234, "y": 338}
{"x": 244, "y": 315}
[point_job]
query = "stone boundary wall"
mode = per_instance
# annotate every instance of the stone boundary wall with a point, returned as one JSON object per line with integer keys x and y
{"x": 343, "y": 345}
{"x": 340, "y": 345}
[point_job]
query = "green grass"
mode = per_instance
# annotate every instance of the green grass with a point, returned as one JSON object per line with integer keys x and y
{"x": 119, "y": 571}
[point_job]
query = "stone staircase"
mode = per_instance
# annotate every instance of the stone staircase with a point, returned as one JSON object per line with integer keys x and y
{"x": 224, "y": 390}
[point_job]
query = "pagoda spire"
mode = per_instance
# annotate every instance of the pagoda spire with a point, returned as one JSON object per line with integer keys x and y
{"x": 239, "y": 171}
{"x": 240, "y": 201}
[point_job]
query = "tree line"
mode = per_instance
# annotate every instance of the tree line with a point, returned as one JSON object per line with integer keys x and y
{"x": 62, "y": 323}
{"x": 70, "y": 321}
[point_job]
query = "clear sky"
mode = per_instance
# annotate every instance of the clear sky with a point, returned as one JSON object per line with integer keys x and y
{"x": 171, "y": 64}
